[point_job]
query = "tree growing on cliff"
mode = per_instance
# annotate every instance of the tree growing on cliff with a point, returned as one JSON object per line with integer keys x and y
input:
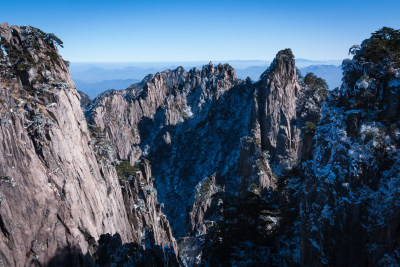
{"x": 53, "y": 39}
{"x": 383, "y": 44}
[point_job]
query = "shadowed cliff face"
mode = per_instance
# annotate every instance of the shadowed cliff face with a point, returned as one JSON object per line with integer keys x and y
{"x": 58, "y": 194}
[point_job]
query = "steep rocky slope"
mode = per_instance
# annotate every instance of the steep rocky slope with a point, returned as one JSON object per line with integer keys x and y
{"x": 211, "y": 137}
{"x": 350, "y": 210}
{"x": 59, "y": 190}
{"x": 279, "y": 87}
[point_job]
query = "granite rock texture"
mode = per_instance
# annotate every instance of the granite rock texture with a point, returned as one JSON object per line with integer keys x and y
{"x": 57, "y": 194}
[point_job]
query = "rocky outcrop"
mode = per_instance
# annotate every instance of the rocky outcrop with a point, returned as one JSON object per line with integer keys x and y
{"x": 59, "y": 188}
{"x": 310, "y": 99}
{"x": 49, "y": 175}
{"x": 203, "y": 213}
{"x": 190, "y": 250}
{"x": 278, "y": 91}
{"x": 350, "y": 207}
{"x": 143, "y": 210}
{"x": 254, "y": 170}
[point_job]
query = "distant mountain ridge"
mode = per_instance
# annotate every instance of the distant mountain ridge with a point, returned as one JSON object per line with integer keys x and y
{"x": 95, "y": 78}
{"x": 330, "y": 73}
{"x": 93, "y": 89}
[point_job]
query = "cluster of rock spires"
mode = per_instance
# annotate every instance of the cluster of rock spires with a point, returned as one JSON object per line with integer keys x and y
{"x": 266, "y": 173}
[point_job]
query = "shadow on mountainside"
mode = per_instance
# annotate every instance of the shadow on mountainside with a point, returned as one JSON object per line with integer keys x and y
{"x": 110, "y": 251}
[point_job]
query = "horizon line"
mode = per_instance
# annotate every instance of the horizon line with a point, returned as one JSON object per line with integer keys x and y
{"x": 190, "y": 61}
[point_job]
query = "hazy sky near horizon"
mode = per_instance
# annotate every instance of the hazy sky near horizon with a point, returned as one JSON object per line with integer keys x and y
{"x": 176, "y": 30}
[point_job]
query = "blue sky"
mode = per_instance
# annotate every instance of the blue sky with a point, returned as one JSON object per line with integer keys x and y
{"x": 137, "y": 31}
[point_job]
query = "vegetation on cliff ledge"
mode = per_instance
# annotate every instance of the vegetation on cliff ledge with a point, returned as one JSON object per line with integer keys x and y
{"x": 126, "y": 171}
